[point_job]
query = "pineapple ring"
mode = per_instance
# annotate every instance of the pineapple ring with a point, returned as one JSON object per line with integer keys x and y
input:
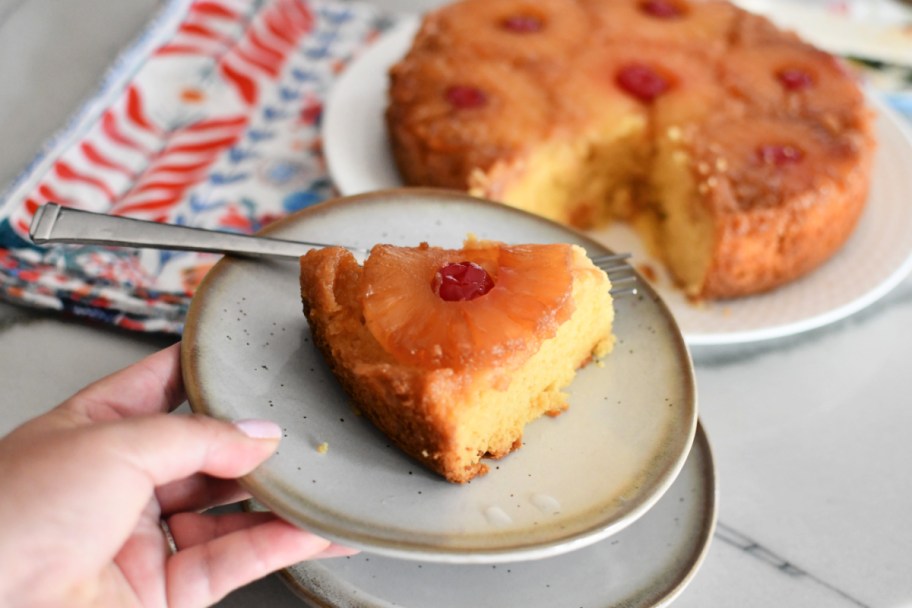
{"x": 531, "y": 297}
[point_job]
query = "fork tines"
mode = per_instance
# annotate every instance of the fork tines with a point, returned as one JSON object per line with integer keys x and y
{"x": 622, "y": 275}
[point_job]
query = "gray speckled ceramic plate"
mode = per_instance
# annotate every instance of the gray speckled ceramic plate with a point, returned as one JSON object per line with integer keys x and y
{"x": 646, "y": 565}
{"x": 577, "y": 479}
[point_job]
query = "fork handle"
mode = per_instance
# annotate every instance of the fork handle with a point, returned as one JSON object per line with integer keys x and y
{"x": 56, "y": 224}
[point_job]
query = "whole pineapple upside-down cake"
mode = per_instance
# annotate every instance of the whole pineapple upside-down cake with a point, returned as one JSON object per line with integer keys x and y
{"x": 451, "y": 352}
{"x": 740, "y": 153}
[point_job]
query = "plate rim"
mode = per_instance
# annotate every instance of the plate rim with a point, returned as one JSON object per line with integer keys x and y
{"x": 258, "y": 487}
{"x": 666, "y": 596}
{"x": 407, "y": 26}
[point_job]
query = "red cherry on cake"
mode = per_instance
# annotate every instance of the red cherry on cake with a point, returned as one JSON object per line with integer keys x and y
{"x": 523, "y": 24}
{"x": 794, "y": 79}
{"x": 779, "y": 154}
{"x": 642, "y": 82}
{"x": 662, "y": 9}
{"x": 464, "y": 97}
{"x": 461, "y": 281}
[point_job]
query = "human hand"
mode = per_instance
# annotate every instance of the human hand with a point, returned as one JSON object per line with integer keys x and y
{"x": 85, "y": 487}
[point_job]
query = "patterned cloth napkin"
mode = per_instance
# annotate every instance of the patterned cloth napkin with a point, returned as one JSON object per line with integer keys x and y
{"x": 211, "y": 119}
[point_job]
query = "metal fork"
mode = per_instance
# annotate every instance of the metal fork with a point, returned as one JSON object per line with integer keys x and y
{"x": 56, "y": 224}
{"x": 622, "y": 275}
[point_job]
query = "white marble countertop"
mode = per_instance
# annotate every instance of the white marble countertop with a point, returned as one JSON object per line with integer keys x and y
{"x": 812, "y": 434}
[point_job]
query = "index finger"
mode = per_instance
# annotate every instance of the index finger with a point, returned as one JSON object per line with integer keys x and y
{"x": 151, "y": 385}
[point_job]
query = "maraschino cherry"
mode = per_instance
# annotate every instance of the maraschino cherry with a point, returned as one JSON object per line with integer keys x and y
{"x": 794, "y": 79}
{"x": 662, "y": 9}
{"x": 461, "y": 281}
{"x": 464, "y": 97}
{"x": 523, "y": 24}
{"x": 642, "y": 82}
{"x": 779, "y": 154}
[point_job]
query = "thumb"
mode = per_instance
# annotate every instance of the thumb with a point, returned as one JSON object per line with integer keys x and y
{"x": 169, "y": 447}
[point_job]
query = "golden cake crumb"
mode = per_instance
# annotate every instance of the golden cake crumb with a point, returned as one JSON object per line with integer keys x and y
{"x": 451, "y": 398}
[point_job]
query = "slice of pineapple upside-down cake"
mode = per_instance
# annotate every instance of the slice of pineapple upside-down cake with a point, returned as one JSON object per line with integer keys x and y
{"x": 451, "y": 352}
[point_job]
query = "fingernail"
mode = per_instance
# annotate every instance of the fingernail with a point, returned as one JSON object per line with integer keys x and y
{"x": 336, "y": 551}
{"x": 259, "y": 429}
